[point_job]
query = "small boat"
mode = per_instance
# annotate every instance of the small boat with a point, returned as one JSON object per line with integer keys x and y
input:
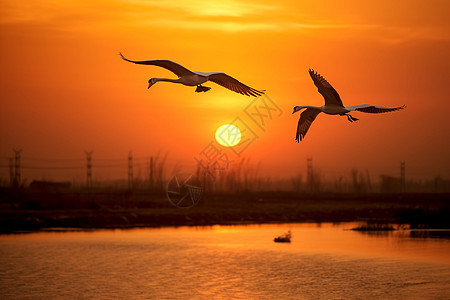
{"x": 285, "y": 238}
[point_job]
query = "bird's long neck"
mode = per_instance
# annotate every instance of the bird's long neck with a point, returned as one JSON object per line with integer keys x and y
{"x": 312, "y": 107}
{"x": 166, "y": 79}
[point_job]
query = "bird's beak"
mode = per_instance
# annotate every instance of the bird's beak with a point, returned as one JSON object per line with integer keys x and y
{"x": 294, "y": 112}
{"x": 149, "y": 85}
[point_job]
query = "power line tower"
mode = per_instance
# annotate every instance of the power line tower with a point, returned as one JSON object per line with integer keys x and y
{"x": 89, "y": 169}
{"x": 309, "y": 174}
{"x": 130, "y": 170}
{"x": 17, "y": 174}
{"x": 11, "y": 171}
{"x": 402, "y": 177}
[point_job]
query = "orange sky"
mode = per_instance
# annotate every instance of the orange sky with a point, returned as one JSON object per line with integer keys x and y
{"x": 65, "y": 90}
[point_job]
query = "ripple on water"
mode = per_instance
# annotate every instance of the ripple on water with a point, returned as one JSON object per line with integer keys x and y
{"x": 183, "y": 264}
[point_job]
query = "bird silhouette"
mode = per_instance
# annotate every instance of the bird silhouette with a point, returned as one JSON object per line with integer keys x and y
{"x": 190, "y": 78}
{"x": 333, "y": 106}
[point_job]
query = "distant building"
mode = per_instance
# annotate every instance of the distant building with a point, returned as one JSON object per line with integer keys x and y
{"x": 50, "y": 186}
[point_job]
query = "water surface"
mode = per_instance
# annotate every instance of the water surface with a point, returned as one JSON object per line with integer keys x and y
{"x": 225, "y": 262}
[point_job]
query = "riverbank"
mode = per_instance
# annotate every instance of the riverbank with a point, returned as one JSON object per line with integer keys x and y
{"x": 110, "y": 211}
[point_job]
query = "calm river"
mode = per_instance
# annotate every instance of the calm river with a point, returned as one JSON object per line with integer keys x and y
{"x": 225, "y": 262}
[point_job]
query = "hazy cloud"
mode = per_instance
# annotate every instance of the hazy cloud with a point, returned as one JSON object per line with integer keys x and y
{"x": 213, "y": 15}
{"x": 231, "y": 8}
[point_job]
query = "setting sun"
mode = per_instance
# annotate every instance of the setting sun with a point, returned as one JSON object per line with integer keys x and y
{"x": 228, "y": 135}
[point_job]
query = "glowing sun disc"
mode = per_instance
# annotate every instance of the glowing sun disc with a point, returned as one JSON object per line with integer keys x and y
{"x": 228, "y": 135}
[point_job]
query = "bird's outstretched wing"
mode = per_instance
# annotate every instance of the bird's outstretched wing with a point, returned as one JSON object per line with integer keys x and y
{"x": 372, "y": 109}
{"x": 233, "y": 84}
{"x": 328, "y": 92}
{"x": 175, "y": 68}
{"x": 305, "y": 121}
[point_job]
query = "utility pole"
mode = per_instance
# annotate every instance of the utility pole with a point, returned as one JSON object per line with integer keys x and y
{"x": 89, "y": 169}
{"x": 309, "y": 174}
{"x": 17, "y": 175}
{"x": 130, "y": 170}
{"x": 151, "y": 172}
{"x": 402, "y": 177}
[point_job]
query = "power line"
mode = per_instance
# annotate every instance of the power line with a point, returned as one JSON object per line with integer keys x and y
{"x": 51, "y": 168}
{"x": 52, "y": 160}
{"x": 112, "y": 166}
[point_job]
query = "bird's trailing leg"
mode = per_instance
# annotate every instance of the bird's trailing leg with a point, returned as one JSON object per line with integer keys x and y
{"x": 351, "y": 119}
{"x": 201, "y": 88}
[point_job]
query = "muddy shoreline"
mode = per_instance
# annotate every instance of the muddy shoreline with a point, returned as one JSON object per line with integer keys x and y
{"x": 132, "y": 210}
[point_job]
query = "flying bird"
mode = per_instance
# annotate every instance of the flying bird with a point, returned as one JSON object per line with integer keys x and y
{"x": 190, "y": 78}
{"x": 333, "y": 106}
